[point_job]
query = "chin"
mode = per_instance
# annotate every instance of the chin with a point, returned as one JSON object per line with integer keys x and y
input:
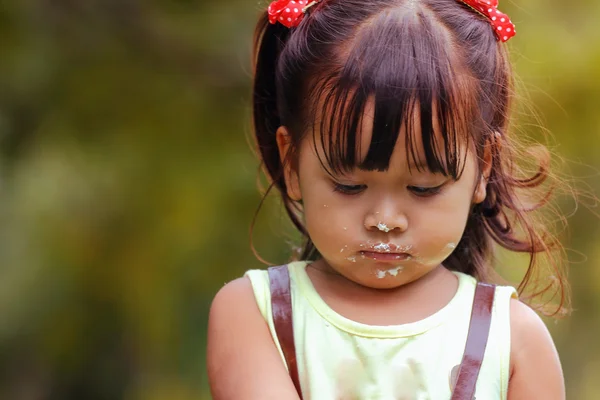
{"x": 389, "y": 278}
{"x": 386, "y": 283}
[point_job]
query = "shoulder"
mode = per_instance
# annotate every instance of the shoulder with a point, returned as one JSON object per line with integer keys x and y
{"x": 232, "y": 306}
{"x": 238, "y": 340}
{"x": 535, "y": 365}
{"x": 237, "y": 292}
{"x": 528, "y": 331}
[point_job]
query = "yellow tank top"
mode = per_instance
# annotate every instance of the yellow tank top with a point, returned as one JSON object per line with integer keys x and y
{"x": 340, "y": 359}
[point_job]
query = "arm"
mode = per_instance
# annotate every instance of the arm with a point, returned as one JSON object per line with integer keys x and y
{"x": 535, "y": 368}
{"x": 242, "y": 360}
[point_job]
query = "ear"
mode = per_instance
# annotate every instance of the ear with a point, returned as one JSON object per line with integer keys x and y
{"x": 481, "y": 185}
{"x": 290, "y": 175}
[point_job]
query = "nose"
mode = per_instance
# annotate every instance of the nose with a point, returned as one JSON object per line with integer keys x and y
{"x": 386, "y": 218}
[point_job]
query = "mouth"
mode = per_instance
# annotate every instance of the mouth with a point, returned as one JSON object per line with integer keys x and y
{"x": 385, "y": 248}
{"x": 385, "y": 252}
{"x": 388, "y": 256}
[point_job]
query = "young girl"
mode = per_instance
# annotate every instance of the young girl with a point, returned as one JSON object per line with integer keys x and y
{"x": 383, "y": 126}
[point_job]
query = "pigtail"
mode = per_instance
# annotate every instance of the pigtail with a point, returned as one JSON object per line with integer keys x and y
{"x": 269, "y": 41}
{"x": 510, "y": 221}
{"x": 506, "y": 218}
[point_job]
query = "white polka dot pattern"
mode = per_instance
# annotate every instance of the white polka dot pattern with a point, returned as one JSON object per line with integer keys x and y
{"x": 502, "y": 24}
{"x": 288, "y": 13}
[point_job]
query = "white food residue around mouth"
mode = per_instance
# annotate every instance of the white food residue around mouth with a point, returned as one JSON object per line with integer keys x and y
{"x": 383, "y": 227}
{"x": 392, "y": 272}
{"x": 382, "y": 247}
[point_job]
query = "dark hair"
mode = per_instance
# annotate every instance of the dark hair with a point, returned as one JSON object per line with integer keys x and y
{"x": 437, "y": 57}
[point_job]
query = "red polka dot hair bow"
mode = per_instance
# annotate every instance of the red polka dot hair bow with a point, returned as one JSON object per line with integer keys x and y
{"x": 503, "y": 26}
{"x": 289, "y": 13}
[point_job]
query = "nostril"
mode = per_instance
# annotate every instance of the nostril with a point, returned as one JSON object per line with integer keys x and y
{"x": 385, "y": 222}
{"x": 383, "y": 227}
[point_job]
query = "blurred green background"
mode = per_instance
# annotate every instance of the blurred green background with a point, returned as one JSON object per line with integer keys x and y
{"x": 127, "y": 186}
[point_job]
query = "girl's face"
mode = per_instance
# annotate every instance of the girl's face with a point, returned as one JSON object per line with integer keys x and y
{"x": 382, "y": 229}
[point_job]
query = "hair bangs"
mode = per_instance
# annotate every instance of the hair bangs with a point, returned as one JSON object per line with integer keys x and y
{"x": 410, "y": 83}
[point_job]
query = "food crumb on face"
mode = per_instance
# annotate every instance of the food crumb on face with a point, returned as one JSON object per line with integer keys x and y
{"x": 382, "y": 247}
{"x": 392, "y": 272}
{"x": 383, "y": 227}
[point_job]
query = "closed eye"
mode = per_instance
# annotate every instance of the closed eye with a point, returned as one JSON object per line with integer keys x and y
{"x": 422, "y": 191}
{"x": 348, "y": 189}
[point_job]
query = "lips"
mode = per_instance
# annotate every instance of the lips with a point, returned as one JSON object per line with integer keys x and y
{"x": 386, "y": 256}
{"x": 386, "y": 252}
{"x": 385, "y": 248}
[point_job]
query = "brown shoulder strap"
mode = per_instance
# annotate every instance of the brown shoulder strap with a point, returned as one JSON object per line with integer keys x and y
{"x": 281, "y": 305}
{"x": 479, "y": 329}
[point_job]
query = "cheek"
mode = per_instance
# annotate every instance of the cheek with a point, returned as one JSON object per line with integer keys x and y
{"x": 448, "y": 213}
{"x": 442, "y": 226}
{"x": 331, "y": 222}
{"x": 331, "y": 236}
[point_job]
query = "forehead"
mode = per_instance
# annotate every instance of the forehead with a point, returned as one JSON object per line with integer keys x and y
{"x": 365, "y": 132}
{"x": 415, "y": 153}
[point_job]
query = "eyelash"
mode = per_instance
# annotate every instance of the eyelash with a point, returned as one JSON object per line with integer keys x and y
{"x": 348, "y": 189}
{"x": 352, "y": 190}
{"x": 426, "y": 191}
